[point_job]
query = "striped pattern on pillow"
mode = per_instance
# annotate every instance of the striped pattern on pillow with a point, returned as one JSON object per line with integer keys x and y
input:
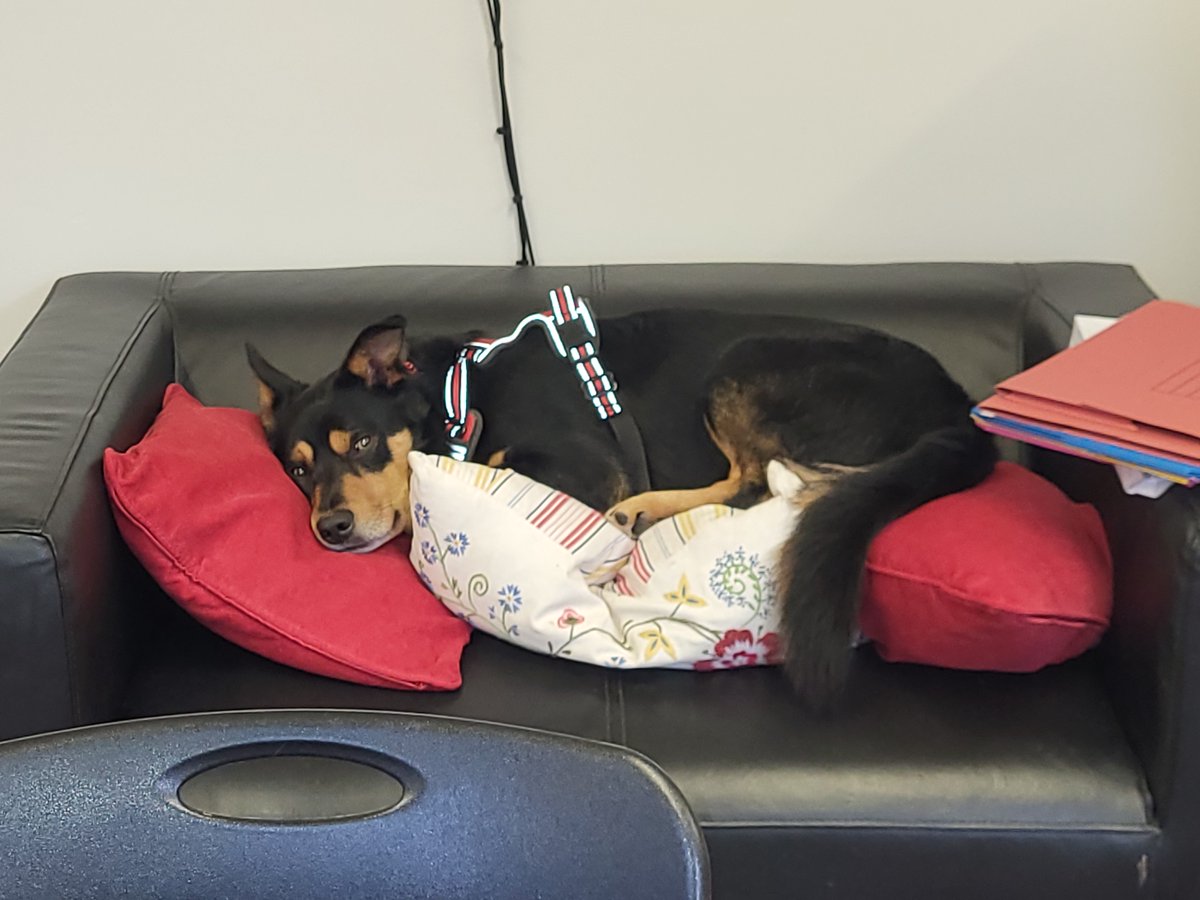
{"x": 659, "y": 544}
{"x": 601, "y": 547}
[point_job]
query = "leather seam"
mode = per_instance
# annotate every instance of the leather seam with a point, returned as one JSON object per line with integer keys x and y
{"x": 72, "y": 693}
{"x": 60, "y": 481}
{"x": 180, "y": 376}
{"x": 608, "y": 707}
{"x": 1178, "y": 679}
{"x": 97, "y": 401}
{"x": 72, "y": 682}
{"x": 624, "y": 733}
{"x": 1032, "y": 290}
{"x": 1038, "y": 288}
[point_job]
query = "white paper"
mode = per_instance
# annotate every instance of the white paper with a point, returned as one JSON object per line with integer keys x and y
{"x": 1086, "y": 327}
{"x": 1142, "y": 484}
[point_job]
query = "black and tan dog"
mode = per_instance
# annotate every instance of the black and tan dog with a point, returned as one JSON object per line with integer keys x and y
{"x": 872, "y": 422}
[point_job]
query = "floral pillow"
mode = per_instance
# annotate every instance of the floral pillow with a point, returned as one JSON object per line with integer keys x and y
{"x": 696, "y": 591}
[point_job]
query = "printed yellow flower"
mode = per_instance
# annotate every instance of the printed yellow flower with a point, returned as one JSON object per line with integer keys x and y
{"x": 683, "y": 596}
{"x": 656, "y": 641}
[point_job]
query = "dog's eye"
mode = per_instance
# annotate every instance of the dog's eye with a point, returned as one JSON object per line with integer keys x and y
{"x": 298, "y": 471}
{"x": 363, "y": 443}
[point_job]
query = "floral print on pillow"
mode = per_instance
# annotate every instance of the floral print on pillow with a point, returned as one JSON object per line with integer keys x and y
{"x": 538, "y": 569}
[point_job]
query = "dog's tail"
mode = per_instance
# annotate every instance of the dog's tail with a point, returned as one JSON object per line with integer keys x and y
{"x": 822, "y": 562}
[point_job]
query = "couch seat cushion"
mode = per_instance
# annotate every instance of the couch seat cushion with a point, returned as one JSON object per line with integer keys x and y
{"x": 913, "y": 745}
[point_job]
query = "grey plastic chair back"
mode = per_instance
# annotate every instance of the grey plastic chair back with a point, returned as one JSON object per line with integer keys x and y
{"x": 305, "y": 804}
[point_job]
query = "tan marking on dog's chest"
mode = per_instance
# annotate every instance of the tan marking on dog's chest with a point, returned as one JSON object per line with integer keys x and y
{"x": 400, "y": 444}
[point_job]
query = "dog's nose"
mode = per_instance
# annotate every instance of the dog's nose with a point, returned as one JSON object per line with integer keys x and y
{"x": 334, "y": 527}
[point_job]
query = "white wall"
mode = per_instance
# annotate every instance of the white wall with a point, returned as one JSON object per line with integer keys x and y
{"x": 170, "y": 134}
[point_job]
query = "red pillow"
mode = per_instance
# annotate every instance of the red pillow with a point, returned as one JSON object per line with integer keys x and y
{"x": 212, "y": 516}
{"x": 1008, "y": 576}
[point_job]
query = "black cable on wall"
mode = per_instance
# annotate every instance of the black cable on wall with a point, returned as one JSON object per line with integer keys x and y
{"x": 506, "y": 132}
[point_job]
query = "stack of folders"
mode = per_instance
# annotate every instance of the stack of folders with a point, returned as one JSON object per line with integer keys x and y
{"x": 1130, "y": 395}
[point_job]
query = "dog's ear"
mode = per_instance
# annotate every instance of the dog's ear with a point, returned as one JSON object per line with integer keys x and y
{"x": 274, "y": 388}
{"x": 379, "y": 355}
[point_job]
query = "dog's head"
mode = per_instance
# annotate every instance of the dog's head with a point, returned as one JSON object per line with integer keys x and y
{"x": 345, "y": 439}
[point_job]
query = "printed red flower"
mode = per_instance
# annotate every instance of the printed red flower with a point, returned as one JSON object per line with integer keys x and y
{"x": 740, "y": 648}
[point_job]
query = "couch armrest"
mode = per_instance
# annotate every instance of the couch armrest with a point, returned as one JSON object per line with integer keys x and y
{"x": 1151, "y": 654}
{"x": 87, "y": 373}
{"x": 1060, "y": 291}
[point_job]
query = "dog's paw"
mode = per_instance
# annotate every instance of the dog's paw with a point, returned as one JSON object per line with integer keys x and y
{"x": 632, "y": 516}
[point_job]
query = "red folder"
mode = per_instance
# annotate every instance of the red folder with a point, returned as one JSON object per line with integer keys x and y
{"x": 1138, "y": 382}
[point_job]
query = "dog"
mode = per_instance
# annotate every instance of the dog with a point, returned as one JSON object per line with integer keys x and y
{"x": 873, "y": 424}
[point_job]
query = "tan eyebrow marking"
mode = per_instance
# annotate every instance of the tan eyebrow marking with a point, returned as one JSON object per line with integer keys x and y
{"x": 302, "y": 453}
{"x": 339, "y": 441}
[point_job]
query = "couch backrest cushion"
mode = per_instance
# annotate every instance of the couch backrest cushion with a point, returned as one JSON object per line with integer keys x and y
{"x": 971, "y": 316}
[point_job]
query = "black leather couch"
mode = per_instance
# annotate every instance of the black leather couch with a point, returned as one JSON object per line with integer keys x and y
{"x": 1079, "y": 781}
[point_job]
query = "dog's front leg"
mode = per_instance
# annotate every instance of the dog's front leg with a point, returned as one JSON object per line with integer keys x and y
{"x": 639, "y": 512}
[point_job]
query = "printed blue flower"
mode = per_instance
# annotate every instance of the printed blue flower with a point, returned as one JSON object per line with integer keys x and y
{"x": 421, "y": 514}
{"x": 457, "y": 543}
{"x": 429, "y": 553}
{"x": 510, "y": 598}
